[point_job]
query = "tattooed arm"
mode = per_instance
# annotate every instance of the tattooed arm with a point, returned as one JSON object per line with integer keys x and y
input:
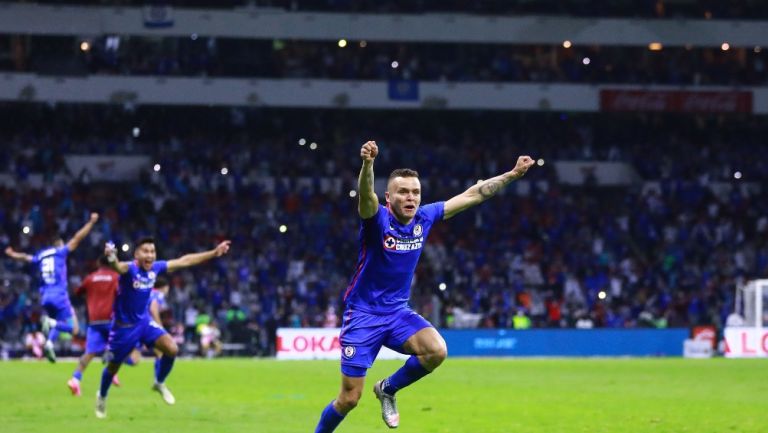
{"x": 486, "y": 189}
{"x": 369, "y": 202}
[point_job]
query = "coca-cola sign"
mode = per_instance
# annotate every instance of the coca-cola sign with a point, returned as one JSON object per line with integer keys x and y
{"x": 676, "y": 101}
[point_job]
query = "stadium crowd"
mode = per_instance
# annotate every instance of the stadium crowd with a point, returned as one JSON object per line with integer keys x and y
{"x": 366, "y": 60}
{"x": 562, "y": 255}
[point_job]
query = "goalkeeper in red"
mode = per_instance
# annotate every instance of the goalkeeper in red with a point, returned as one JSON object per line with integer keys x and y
{"x": 377, "y": 312}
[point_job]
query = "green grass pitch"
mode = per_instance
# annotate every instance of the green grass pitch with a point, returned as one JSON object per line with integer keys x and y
{"x": 464, "y": 395}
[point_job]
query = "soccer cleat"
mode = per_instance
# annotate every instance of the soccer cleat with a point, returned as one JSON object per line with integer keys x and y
{"x": 48, "y": 351}
{"x": 101, "y": 406}
{"x": 164, "y": 392}
{"x": 388, "y": 406}
{"x": 115, "y": 380}
{"x": 74, "y": 386}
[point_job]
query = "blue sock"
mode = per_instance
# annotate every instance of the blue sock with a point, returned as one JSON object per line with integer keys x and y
{"x": 129, "y": 361}
{"x": 408, "y": 373}
{"x": 157, "y": 368}
{"x": 166, "y": 363}
{"x": 78, "y": 375}
{"x": 106, "y": 382}
{"x": 329, "y": 420}
{"x": 53, "y": 334}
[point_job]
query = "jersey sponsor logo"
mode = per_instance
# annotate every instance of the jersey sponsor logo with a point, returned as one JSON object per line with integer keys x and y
{"x": 349, "y": 352}
{"x": 417, "y": 230}
{"x": 143, "y": 284}
{"x": 390, "y": 242}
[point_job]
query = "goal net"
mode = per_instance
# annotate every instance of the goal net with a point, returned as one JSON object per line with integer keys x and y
{"x": 746, "y": 330}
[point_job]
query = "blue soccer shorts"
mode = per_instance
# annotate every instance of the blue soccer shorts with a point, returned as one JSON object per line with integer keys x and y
{"x": 363, "y": 334}
{"x": 123, "y": 339}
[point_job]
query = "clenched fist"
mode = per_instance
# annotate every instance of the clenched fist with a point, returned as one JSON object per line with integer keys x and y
{"x": 369, "y": 151}
{"x": 523, "y": 164}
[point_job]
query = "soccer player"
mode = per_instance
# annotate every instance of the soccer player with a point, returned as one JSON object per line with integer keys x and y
{"x": 131, "y": 323}
{"x": 377, "y": 312}
{"x": 51, "y": 264}
{"x": 100, "y": 289}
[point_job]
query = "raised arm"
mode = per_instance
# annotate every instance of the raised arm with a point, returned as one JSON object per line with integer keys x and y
{"x": 111, "y": 252}
{"x": 82, "y": 233}
{"x": 369, "y": 202}
{"x": 486, "y": 189}
{"x": 188, "y": 260}
{"x": 16, "y": 255}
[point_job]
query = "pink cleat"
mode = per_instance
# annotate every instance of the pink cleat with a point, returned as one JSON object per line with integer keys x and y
{"x": 74, "y": 386}
{"x": 115, "y": 380}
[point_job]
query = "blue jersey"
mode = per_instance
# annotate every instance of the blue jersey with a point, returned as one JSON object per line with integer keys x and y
{"x": 133, "y": 292}
{"x": 389, "y": 252}
{"x": 158, "y": 297}
{"x": 51, "y": 265}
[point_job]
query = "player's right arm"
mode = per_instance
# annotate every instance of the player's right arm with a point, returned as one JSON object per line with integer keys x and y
{"x": 111, "y": 252}
{"x": 368, "y": 203}
{"x": 17, "y": 255}
{"x": 82, "y": 233}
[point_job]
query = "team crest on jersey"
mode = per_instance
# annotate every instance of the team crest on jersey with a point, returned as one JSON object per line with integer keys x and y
{"x": 390, "y": 242}
{"x": 151, "y": 274}
{"x": 349, "y": 351}
{"x": 417, "y": 230}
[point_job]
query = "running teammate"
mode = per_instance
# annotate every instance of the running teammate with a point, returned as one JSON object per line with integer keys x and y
{"x": 131, "y": 323}
{"x": 51, "y": 266}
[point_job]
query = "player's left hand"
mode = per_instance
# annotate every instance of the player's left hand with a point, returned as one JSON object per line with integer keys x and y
{"x": 222, "y": 248}
{"x": 94, "y": 217}
{"x": 8, "y": 251}
{"x": 523, "y": 164}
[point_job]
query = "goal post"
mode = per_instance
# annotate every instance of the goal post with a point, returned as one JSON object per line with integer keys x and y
{"x": 746, "y": 330}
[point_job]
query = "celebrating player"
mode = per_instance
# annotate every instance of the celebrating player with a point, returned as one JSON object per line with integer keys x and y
{"x": 377, "y": 312}
{"x": 100, "y": 289}
{"x": 51, "y": 264}
{"x": 131, "y": 322}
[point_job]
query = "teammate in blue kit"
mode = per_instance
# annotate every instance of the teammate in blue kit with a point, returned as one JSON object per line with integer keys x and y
{"x": 377, "y": 312}
{"x": 131, "y": 323}
{"x": 157, "y": 304}
{"x": 51, "y": 265}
